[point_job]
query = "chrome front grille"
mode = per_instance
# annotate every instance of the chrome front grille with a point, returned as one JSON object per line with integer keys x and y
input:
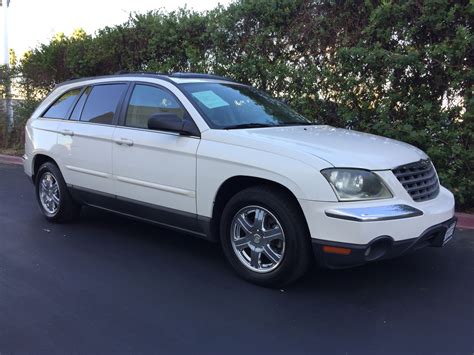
{"x": 419, "y": 179}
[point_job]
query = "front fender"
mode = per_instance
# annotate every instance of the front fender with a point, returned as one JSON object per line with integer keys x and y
{"x": 217, "y": 162}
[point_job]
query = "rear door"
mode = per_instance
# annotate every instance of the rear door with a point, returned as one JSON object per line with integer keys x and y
{"x": 44, "y": 133}
{"x": 86, "y": 138}
{"x": 155, "y": 169}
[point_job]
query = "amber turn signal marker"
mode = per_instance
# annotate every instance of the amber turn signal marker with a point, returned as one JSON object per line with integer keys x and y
{"x": 336, "y": 250}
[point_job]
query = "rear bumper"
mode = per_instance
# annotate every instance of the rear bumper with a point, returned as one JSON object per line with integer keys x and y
{"x": 336, "y": 255}
{"x": 27, "y": 165}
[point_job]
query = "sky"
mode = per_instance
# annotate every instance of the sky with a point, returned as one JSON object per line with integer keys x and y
{"x": 31, "y": 22}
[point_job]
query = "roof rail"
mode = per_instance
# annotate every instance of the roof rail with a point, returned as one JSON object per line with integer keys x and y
{"x": 163, "y": 76}
{"x": 199, "y": 76}
{"x": 123, "y": 72}
{"x": 177, "y": 75}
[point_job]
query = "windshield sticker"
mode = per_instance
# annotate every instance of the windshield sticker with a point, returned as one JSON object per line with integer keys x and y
{"x": 210, "y": 99}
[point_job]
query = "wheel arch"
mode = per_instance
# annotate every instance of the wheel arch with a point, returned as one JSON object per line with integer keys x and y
{"x": 38, "y": 160}
{"x": 232, "y": 186}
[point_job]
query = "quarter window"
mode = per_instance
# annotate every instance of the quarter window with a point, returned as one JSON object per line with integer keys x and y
{"x": 102, "y": 103}
{"x": 149, "y": 100}
{"x": 62, "y": 105}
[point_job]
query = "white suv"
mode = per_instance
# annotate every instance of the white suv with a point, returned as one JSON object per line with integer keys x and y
{"x": 221, "y": 160}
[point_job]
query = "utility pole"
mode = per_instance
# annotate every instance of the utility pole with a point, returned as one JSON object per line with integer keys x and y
{"x": 6, "y": 61}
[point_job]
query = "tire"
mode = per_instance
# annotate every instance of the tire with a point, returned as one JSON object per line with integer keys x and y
{"x": 53, "y": 196}
{"x": 282, "y": 241}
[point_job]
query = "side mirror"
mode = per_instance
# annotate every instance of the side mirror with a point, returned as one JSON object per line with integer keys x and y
{"x": 170, "y": 122}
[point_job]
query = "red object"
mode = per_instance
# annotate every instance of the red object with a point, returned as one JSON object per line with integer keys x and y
{"x": 465, "y": 221}
{"x": 336, "y": 250}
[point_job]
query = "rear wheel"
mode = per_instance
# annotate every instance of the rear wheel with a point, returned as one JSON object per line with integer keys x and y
{"x": 264, "y": 237}
{"x": 53, "y": 195}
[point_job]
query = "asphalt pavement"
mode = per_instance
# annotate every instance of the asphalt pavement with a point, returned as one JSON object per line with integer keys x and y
{"x": 109, "y": 285}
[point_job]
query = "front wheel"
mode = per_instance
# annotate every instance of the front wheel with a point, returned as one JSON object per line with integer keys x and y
{"x": 265, "y": 237}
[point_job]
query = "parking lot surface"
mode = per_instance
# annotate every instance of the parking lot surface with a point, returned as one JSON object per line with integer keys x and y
{"x": 109, "y": 285}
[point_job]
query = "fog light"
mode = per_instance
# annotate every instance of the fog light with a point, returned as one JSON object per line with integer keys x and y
{"x": 378, "y": 249}
{"x": 367, "y": 252}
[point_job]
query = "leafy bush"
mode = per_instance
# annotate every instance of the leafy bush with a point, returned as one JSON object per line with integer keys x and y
{"x": 399, "y": 69}
{"x": 12, "y": 139}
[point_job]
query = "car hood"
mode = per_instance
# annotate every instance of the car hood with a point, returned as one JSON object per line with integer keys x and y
{"x": 339, "y": 147}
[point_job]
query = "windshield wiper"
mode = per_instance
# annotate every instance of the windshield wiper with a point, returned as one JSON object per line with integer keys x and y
{"x": 249, "y": 125}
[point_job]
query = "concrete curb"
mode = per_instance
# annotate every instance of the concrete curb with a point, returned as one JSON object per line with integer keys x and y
{"x": 465, "y": 220}
{"x": 10, "y": 159}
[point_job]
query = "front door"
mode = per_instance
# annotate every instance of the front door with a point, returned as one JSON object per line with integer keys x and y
{"x": 155, "y": 171}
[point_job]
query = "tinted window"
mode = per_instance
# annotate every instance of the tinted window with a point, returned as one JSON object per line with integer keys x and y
{"x": 102, "y": 102}
{"x": 148, "y": 100}
{"x": 76, "y": 113}
{"x": 62, "y": 105}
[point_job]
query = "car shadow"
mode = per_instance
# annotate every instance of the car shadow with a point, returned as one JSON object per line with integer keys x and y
{"x": 409, "y": 272}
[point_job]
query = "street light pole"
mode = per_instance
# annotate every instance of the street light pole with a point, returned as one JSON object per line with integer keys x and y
{"x": 6, "y": 60}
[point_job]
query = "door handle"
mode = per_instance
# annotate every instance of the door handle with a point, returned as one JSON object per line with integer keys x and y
{"x": 124, "y": 141}
{"x": 67, "y": 132}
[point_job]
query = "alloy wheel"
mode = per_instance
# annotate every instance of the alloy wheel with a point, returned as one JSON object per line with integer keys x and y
{"x": 49, "y": 193}
{"x": 258, "y": 239}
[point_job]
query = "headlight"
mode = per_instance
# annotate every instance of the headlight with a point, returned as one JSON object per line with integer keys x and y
{"x": 352, "y": 184}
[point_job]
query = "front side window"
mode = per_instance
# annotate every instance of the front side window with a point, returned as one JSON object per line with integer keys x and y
{"x": 102, "y": 103}
{"x": 61, "y": 106}
{"x": 229, "y": 106}
{"x": 149, "y": 100}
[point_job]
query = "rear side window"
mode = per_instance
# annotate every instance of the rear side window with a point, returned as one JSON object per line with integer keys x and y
{"x": 61, "y": 106}
{"x": 148, "y": 100}
{"x": 102, "y": 103}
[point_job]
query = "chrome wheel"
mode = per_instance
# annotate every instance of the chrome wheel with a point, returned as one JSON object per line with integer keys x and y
{"x": 49, "y": 193}
{"x": 258, "y": 239}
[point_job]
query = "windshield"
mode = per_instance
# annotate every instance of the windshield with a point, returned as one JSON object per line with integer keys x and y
{"x": 229, "y": 106}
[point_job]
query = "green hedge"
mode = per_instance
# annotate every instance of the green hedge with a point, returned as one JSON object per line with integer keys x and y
{"x": 399, "y": 69}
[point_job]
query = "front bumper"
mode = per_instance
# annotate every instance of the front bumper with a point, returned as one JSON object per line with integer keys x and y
{"x": 362, "y": 222}
{"x": 336, "y": 255}
{"x": 391, "y": 227}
